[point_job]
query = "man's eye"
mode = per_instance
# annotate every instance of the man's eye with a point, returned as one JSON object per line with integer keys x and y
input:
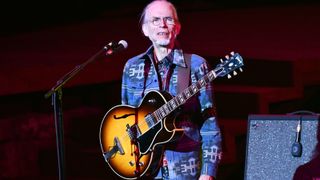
{"x": 169, "y": 19}
{"x": 156, "y": 20}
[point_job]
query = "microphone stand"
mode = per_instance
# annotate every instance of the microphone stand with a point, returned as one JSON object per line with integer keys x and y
{"x": 56, "y": 94}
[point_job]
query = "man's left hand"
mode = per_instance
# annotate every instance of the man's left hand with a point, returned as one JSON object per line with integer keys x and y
{"x": 206, "y": 177}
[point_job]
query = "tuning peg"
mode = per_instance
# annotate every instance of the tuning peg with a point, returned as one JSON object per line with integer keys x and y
{"x": 227, "y": 56}
{"x": 229, "y": 76}
{"x": 221, "y": 60}
{"x": 235, "y": 73}
{"x": 232, "y": 53}
{"x": 240, "y": 69}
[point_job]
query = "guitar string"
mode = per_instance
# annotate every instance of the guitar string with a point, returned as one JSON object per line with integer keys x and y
{"x": 194, "y": 90}
{"x": 206, "y": 77}
{"x": 158, "y": 115}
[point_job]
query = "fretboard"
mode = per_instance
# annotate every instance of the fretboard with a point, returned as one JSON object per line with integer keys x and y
{"x": 181, "y": 98}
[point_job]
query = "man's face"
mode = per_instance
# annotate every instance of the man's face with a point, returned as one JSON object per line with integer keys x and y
{"x": 161, "y": 25}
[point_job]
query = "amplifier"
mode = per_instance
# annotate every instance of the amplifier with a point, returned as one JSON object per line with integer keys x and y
{"x": 271, "y": 151}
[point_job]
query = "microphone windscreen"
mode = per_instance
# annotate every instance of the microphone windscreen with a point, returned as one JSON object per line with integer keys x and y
{"x": 123, "y": 43}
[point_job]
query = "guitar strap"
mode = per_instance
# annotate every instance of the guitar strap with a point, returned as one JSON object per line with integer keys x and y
{"x": 184, "y": 74}
{"x": 183, "y": 83}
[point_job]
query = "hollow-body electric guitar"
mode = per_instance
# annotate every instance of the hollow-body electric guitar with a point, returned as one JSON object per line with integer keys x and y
{"x": 131, "y": 137}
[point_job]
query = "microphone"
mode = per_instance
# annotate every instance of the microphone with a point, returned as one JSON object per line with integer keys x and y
{"x": 113, "y": 47}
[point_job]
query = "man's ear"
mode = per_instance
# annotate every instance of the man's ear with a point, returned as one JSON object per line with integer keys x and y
{"x": 145, "y": 30}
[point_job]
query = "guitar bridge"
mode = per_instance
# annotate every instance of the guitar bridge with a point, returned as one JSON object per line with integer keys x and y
{"x": 133, "y": 131}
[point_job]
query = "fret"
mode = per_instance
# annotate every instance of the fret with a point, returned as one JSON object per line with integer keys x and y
{"x": 176, "y": 100}
{"x": 158, "y": 115}
{"x": 206, "y": 79}
{"x": 187, "y": 93}
{"x": 155, "y": 115}
{"x": 162, "y": 113}
{"x": 211, "y": 75}
{"x": 202, "y": 82}
{"x": 169, "y": 106}
{"x": 154, "y": 118}
{"x": 191, "y": 91}
{"x": 149, "y": 120}
{"x": 181, "y": 98}
{"x": 184, "y": 96}
{"x": 173, "y": 104}
{"x": 194, "y": 88}
{"x": 165, "y": 108}
{"x": 198, "y": 85}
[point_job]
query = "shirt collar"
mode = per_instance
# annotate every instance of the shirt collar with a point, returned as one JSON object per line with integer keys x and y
{"x": 175, "y": 57}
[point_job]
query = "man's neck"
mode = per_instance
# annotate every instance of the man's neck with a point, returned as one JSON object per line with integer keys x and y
{"x": 161, "y": 52}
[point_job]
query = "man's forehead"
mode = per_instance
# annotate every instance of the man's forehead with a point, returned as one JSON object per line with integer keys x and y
{"x": 160, "y": 8}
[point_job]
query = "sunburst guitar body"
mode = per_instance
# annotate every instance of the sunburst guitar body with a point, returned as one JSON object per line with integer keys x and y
{"x": 128, "y": 137}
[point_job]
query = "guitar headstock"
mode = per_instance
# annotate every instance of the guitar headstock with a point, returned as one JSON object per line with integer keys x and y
{"x": 230, "y": 64}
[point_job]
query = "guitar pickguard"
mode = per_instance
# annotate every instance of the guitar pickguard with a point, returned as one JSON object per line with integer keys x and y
{"x": 145, "y": 140}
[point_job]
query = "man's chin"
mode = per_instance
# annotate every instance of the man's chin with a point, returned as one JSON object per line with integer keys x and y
{"x": 163, "y": 43}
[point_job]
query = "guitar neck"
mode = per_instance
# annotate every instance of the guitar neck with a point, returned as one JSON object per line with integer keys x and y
{"x": 182, "y": 97}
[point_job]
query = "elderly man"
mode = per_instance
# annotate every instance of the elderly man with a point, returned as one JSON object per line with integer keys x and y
{"x": 165, "y": 67}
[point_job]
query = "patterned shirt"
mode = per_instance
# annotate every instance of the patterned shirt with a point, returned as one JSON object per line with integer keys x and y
{"x": 199, "y": 151}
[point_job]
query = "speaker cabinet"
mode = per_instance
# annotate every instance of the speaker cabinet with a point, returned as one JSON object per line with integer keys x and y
{"x": 269, "y": 145}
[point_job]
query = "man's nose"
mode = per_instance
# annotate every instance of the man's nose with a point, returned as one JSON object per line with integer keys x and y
{"x": 163, "y": 22}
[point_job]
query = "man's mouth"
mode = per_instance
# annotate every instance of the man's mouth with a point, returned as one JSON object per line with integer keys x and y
{"x": 162, "y": 33}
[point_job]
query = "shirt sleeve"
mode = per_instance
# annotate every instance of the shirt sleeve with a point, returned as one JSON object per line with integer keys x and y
{"x": 209, "y": 131}
{"x": 124, "y": 85}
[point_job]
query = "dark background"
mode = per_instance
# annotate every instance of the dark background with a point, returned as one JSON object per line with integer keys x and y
{"x": 41, "y": 41}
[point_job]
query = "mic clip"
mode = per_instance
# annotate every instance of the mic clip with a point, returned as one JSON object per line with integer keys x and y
{"x": 296, "y": 149}
{"x": 113, "y": 47}
{"x": 110, "y": 45}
